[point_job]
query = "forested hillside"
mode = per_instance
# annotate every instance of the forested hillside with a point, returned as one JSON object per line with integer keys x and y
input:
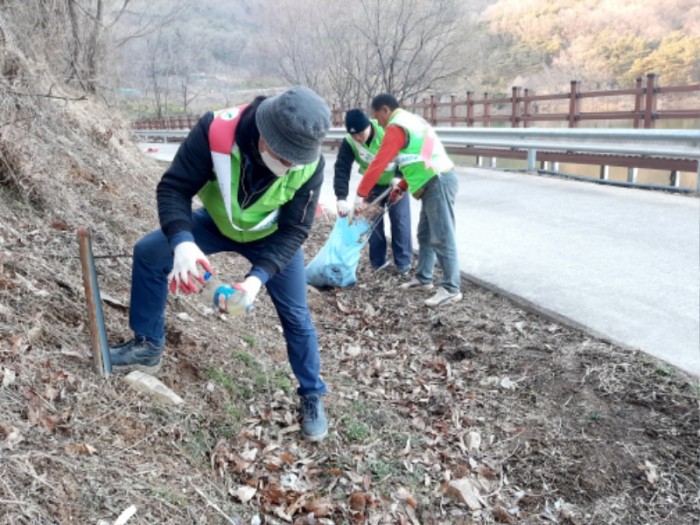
{"x": 602, "y": 42}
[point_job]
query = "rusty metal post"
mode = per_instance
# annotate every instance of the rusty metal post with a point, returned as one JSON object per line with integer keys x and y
{"x": 453, "y": 111}
{"x": 487, "y": 111}
{"x": 470, "y": 109}
{"x": 526, "y": 108}
{"x": 98, "y": 334}
{"x": 515, "y": 107}
{"x": 638, "y": 102}
{"x": 574, "y": 104}
{"x": 433, "y": 110}
{"x": 650, "y": 105}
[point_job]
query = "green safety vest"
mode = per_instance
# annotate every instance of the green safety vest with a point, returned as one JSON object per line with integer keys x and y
{"x": 423, "y": 157}
{"x": 220, "y": 196}
{"x": 365, "y": 153}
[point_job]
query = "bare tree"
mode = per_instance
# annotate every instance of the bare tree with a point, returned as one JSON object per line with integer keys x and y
{"x": 185, "y": 59}
{"x": 351, "y": 51}
{"x": 294, "y": 41}
{"x": 78, "y": 36}
{"x": 159, "y": 63}
{"x": 411, "y": 42}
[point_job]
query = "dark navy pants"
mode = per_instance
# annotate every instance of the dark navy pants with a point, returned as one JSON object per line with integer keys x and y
{"x": 401, "y": 243}
{"x": 153, "y": 261}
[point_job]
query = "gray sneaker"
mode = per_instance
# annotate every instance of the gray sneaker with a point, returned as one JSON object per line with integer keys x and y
{"x": 443, "y": 297}
{"x": 136, "y": 354}
{"x": 415, "y": 284}
{"x": 314, "y": 425}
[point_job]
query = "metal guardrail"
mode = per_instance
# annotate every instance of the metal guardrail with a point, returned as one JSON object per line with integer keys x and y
{"x": 636, "y": 143}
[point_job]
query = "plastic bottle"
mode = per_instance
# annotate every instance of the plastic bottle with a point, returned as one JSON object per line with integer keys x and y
{"x": 225, "y": 298}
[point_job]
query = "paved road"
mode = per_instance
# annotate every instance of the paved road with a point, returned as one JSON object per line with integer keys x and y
{"x": 621, "y": 262}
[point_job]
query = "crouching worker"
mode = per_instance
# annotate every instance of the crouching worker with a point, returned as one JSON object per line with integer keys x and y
{"x": 258, "y": 171}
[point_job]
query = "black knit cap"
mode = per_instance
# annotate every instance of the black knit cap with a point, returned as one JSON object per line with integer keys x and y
{"x": 294, "y": 124}
{"x": 356, "y": 121}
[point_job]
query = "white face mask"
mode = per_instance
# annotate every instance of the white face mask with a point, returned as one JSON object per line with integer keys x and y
{"x": 274, "y": 165}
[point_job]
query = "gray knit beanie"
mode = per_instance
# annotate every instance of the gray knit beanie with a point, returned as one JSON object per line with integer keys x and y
{"x": 294, "y": 124}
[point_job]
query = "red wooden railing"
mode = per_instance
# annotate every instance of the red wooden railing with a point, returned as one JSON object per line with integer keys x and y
{"x": 523, "y": 108}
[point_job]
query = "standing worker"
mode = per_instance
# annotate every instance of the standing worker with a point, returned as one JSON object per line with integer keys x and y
{"x": 361, "y": 145}
{"x": 428, "y": 174}
{"x": 258, "y": 170}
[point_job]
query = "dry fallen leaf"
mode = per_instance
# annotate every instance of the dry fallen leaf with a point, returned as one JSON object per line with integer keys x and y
{"x": 80, "y": 448}
{"x": 358, "y": 502}
{"x": 8, "y": 377}
{"x": 650, "y": 471}
{"x": 243, "y": 493}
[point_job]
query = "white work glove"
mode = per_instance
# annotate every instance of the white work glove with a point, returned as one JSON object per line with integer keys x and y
{"x": 359, "y": 206}
{"x": 250, "y": 287}
{"x": 395, "y": 181}
{"x": 185, "y": 272}
{"x": 343, "y": 207}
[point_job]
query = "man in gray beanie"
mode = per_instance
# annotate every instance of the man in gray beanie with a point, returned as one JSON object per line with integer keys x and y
{"x": 258, "y": 171}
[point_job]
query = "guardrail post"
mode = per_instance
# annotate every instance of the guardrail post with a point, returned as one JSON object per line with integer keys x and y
{"x": 574, "y": 104}
{"x": 604, "y": 172}
{"x": 632, "y": 175}
{"x": 453, "y": 111}
{"x": 638, "y": 102}
{"x": 675, "y": 179}
{"x": 470, "y": 109}
{"x": 515, "y": 107}
{"x": 526, "y": 108}
{"x": 531, "y": 160}
{"x": 487, "y": 111}
{"x": 650, "y": 106}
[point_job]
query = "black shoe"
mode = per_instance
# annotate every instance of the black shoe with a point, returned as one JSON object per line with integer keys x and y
{"x": 137, "y": 354}
{"x": 314, "y": 425}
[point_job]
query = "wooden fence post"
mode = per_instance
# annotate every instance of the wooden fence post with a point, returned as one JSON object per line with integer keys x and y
{"x": 638, "y": 102}
{"x": 526, "y": 108}
{"x": 433, "y": 110}
{"x": 487, "y": 111}
{"x": 426, "y": 108}
{"x": 574, "y": 104}
{"x": 515, "y": 107}
{"x": 650, "y": 105}
{"x": 453, "y": 111}
{"x": 470, "y": 109}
